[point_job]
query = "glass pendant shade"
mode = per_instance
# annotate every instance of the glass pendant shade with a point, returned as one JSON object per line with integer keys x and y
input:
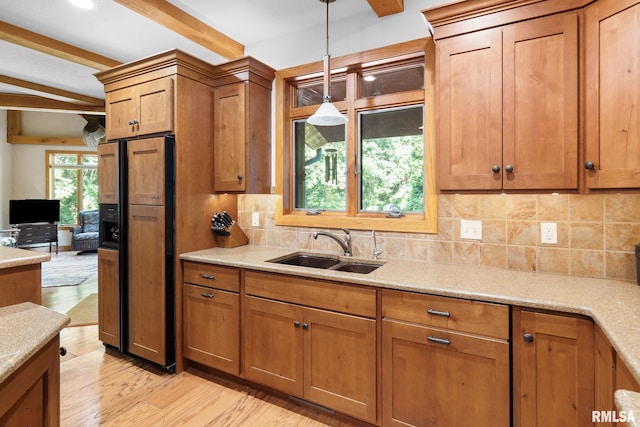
{"x": 327, "y": 115}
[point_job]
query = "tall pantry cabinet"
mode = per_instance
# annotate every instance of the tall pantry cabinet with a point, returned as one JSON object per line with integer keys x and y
{"x": 166, "y": 94}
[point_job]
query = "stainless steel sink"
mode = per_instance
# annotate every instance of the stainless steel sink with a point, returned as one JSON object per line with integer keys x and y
{"x": 327, "y": 262}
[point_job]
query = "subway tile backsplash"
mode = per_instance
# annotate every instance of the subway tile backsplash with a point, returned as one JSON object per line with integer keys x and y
{"x": 597, "y": 234}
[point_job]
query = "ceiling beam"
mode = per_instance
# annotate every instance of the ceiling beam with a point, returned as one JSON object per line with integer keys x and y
{"x": 175, "y": 19}
{"x": 97, "y": 102}
{"x": 29, "y": 102}
{"x": 47, "y": 45}
{"x": 386, "y": 7}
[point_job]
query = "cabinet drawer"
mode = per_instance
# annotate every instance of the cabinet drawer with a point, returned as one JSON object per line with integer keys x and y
{"x": 212, "y": 276}
{"x": 312, "y": 293}
{"x": 450, "y": 313}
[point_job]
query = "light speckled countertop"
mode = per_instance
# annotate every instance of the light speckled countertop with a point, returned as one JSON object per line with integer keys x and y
{"x": 24, "y": 329}
{"x": 613, "y": 305}
{"x": 13, "y": 257}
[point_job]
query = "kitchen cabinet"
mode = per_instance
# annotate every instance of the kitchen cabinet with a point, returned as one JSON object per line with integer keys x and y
{"x": 108, "y": 176}
{"x": 108, "y": 297}
{"x": 444, "y": 361}
{"x": 31, "y": 395}
{"x": 141, "y": 109}
{"x": 147, "y": 174}
{"x": 612, "y": 74}
{"x": 212, "y": 316}
{"x": 553, "y": 369}
{"x": 611, "y": 374}
{"x": 312, "y": 339}
{"x": 508, "y": 106}
{"x": 242, "y": 127}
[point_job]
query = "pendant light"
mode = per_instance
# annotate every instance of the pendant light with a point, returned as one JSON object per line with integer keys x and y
{"x": 327, "y": 114}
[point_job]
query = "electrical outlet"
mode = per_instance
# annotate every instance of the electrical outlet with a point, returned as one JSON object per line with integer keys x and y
{"x": 470, "y": 229}
{"x": 549, "y": 233}
{"x": 255, "y": 219}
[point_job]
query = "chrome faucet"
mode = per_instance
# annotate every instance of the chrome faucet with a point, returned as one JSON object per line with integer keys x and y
{"x": 376, "y": 252}
{"x": 345, "y": 245}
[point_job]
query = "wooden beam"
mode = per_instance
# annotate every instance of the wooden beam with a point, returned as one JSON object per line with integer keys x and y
{"x": 386, "y": 7}
{"x": 96, "y": 102}
{"x": 37, "y": 102}
{"x": 175, "y": 19}
{"x": 14, "y": 134}
{"x": 47, "y": 45}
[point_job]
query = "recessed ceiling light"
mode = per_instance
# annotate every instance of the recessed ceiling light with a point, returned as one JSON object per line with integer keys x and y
{"x": 83, "y": 4}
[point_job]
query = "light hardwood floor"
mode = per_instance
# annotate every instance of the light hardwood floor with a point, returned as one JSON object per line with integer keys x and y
{"x": 102, "y": 387}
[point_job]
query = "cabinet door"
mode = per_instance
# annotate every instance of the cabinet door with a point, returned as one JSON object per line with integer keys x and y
{"x": 146, "y": 158}
{"x": 155, "y": 106}
{"x": 212, "y": 327}
{"x": 540, "y": 76}
{"x": 108, "y": 297}
{"x": 612, "y": 73}
{"x": 108, "y": 173}
{"x": 273, "y": 344}
{"x": 553, "y": 370}
{"x": 340, "y": 362}
{"x": 458, "y": 382}
{"x": 604, "y": 372}
{"x": 469, "y": 85}
{"x": 147, "y": 283}
{"x": 229, "y": 137}
{"x": 121, "y": 109}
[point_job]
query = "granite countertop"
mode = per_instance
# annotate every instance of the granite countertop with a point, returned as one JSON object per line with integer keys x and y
{"x": 12, "y": 257}
{"x": 24, "y": 329}
{"x": 612, "y": 304}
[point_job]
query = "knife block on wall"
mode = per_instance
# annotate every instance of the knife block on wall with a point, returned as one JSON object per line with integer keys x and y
{"x": 235, "y": 238}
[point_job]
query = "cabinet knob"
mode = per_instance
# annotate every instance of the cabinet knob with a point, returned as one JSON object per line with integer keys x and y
{"x": 508, "y": 168}
{"x": 495, "y": 169}
{"x": 305, "y": 326}
{"x": 589, "y": 165}
{"x": 63, "y": 351}
{"x": 296, "y": 324}
{"x": 240, "y": 177}
{"x": 528, "y": 337}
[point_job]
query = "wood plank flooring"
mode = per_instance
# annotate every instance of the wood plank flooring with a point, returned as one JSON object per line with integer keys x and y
{"x": 102, "y": 387}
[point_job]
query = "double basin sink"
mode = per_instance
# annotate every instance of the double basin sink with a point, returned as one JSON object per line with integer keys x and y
{"x": 327, "y": 262}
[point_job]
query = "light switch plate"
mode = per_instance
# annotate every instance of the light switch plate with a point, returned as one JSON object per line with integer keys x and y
{"x": 255, "y": 219}
{"x": 549, "y": 233}
{"x": 470, "y": 229}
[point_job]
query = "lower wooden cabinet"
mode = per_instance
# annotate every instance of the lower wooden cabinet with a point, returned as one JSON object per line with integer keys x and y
{"x": 315, "y": 353}
{"x": 31, "y": 395}
{"x": 553, "y": 369}
{"x": 432, "y": 376}
{"x": 108, "y": 297}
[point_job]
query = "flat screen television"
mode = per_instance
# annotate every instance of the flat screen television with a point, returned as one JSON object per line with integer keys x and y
{"x": 34, "y": 210}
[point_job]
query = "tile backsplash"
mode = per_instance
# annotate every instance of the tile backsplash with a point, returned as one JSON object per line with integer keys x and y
{"x": 597, "y": 234}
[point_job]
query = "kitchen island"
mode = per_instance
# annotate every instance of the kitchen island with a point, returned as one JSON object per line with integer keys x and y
{"x": 30, "y": 364}
{"x": 611, "y": 304}
{"x": 20, "y": 275}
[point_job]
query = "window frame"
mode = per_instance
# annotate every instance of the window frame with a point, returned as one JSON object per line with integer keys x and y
{"x": 49, "y": 155}
{"x": 286, "y": 113}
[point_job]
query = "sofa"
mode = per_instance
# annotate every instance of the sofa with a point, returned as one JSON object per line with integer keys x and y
{"x": 84, "y": 236}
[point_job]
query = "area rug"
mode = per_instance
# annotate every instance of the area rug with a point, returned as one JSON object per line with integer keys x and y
{"x": 68, "y": 268}
{"x": 85, "y": 312}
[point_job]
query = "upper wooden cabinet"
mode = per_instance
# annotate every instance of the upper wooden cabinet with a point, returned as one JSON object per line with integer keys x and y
{"x": 142, "y": 109}
{"x": 146, "y": 164}
{"x": 108, "y": 173}
{"x": 242, "y": 127}
{"x": 508, "y": 106}
{"x": 612, "y": 70}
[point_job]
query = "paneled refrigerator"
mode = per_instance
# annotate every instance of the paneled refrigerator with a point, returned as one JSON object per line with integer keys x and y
{"x": 146, "y": 249}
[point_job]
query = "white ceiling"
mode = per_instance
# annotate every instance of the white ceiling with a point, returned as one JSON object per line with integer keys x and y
{"x": 281, "y": 33}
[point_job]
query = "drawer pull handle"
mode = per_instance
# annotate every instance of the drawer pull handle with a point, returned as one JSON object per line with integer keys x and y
{"x": 206, "y": 295}
{"x": 439, "y": 313}
{"x": 438, "y": 340}
{"x": 208, "y": 276}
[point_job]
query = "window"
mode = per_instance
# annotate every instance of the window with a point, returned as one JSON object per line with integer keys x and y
{"x": 73, "y": 179}
{"x": 371, "y": 173}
